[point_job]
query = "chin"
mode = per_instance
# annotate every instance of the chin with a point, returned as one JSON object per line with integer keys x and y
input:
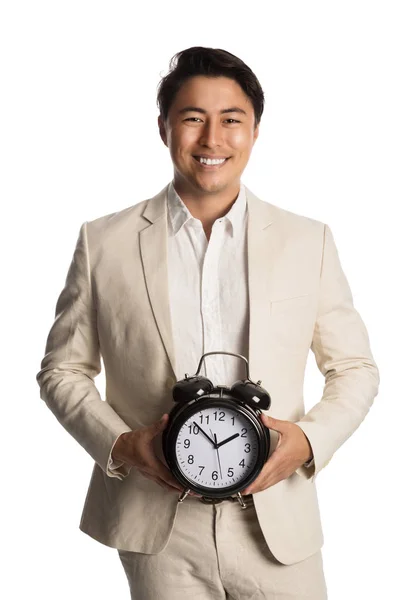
{"x": 210, "y": 186}
{"x": 212, "y": 189}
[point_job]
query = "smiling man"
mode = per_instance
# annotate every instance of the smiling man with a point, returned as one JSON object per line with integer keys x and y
{"x": 210, "y": 131}
{"x": 205, "y": 265}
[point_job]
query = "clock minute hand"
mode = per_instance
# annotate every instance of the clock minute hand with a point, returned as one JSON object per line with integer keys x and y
{"x": 204, "y": 433}
{"x": 232, "y": 437}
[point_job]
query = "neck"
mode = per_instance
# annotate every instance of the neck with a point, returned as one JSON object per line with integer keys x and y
{"x": 208, "y": 207}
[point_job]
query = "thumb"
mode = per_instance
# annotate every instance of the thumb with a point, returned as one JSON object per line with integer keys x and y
{"x": 162, "y": 423}
{"x": 272, "y": 423}
{"x": 157, "y": 427}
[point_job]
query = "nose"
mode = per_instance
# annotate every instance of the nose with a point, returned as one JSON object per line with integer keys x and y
{"x": 211, "y": 134}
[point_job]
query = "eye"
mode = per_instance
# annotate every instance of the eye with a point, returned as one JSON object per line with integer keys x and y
{"x": 198, "y": 119}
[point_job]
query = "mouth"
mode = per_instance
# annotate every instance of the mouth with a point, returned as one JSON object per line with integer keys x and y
{"x": 214, "y": 167}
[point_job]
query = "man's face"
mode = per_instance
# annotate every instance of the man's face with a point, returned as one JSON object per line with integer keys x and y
{"x": 196, "y": 127}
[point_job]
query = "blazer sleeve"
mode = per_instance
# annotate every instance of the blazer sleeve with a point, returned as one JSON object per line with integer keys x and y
{"x": 342, "y": 352}
{"x": 115, "y": 465}
{"x": 72, "y": 361}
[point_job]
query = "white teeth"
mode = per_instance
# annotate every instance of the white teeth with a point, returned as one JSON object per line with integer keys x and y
{"x": 212, "y": 161}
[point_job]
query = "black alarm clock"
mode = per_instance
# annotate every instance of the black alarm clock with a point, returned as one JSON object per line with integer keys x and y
{"x": 215, "y": 443}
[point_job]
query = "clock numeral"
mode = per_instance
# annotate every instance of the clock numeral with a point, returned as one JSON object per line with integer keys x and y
{"x": 241, "y": 464}
{"x": 214, "y": 475}
{"x": 201, "y": 467}
{"x": 233, "y": 420}
{"x": 195, "y": 429}
{"x": 230, "y": 472}
{"x": 186, "y": 443}
{"x": 190, "y": 459}
{"x": 244, "y": 430}
{"x": 247, "y": 448}
{"x": 221, "y": 416}
{"x": 206, "y": 417}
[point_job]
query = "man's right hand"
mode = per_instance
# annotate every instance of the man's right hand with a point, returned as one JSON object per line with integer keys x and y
{"x": 136, "y": 448}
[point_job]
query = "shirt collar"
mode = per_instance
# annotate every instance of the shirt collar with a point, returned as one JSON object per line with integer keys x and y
{"x": 179, "y": 214}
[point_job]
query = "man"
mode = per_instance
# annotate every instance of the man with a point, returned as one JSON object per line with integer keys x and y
{"x": 206, "y": 265}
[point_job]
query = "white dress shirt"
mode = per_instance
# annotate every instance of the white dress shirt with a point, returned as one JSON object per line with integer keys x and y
{"x": 208, "y": 291}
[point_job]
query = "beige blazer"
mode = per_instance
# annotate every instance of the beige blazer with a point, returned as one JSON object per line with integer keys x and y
{"x": 115, "y": 305}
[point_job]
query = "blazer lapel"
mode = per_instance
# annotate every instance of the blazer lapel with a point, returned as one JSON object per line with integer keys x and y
{"x": 154, "y": 254}
{"x": 262, "y": 246}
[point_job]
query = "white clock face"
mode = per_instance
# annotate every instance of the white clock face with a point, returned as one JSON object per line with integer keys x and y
{"x": 222, "y": 465}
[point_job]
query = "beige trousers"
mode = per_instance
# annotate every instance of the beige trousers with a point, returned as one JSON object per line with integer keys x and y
{"x": 218, "y": 552}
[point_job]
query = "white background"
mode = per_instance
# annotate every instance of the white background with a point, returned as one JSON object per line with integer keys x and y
{"x": 79, "y": 139}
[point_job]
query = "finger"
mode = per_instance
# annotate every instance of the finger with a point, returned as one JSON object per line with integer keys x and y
{"x": 276, "y": 474}
{"x": 263, "y": 483}
{"x": 157, "y": 480}
{"x": 164, "y": 473}
{"x": 156, "y": 428}
{"x": 274, "y": 464}
{"x": 149, "y": 462}
{"x": 165, "y": 476}
{"x": 270, "y": 472}
{"x": 165, "y": 485}
{"x": 277, "y": 468}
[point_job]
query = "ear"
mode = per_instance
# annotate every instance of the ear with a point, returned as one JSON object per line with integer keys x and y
{"x": 256, "y": 132}
{"x": 161, "y": 128}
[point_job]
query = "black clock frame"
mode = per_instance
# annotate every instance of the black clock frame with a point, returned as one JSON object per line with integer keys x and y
{"x": 219, "y": 397}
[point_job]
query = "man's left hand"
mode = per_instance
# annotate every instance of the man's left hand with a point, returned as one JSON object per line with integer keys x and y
{"x": 292, "y": 450}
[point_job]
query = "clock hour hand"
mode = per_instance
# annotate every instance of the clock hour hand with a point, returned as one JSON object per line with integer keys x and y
{"x": 204, "y": 433}
{"x": 232, "y": 437}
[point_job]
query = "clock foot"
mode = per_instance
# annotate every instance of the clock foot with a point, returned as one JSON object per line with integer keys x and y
{"x": 241, "y": 501}
{"x": 184, "y": 494}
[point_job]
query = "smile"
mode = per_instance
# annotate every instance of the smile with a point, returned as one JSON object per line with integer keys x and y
{"x": 212, "y": 164}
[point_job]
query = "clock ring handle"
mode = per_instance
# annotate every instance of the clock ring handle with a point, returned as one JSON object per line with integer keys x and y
{"x": 230, "y": 354}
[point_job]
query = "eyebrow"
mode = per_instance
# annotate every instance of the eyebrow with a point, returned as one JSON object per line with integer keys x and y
{"x": 204, "y": 112}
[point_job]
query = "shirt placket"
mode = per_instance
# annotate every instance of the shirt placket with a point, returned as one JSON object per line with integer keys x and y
{"x": 210, "y": 304}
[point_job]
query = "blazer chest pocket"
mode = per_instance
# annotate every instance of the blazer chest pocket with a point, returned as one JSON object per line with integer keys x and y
{"x": 293, "y": 318}
{"x": 291, "y": 304}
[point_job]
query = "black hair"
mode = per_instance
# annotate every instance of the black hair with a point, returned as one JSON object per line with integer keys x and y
{"x": 211, "y": 62}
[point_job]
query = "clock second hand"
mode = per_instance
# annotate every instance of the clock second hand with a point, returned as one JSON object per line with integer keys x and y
{"x": 216, "y": 447}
